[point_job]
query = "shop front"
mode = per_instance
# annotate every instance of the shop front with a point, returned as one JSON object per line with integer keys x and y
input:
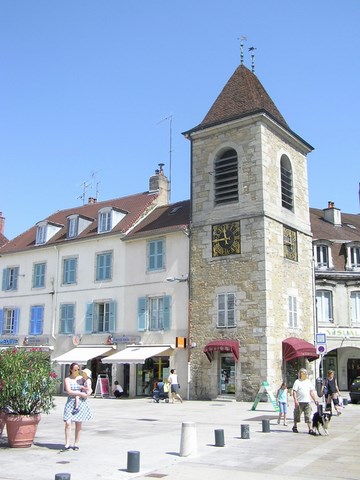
{"x": 145, "y": 366}
{"x": 227, "y": 354}
{"x": 296, "y": 353}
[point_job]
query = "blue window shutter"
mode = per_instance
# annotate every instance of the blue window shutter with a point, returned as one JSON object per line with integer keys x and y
{"x": 1, "y": 320}
{"x": 16, "y": 276}
{"x": 16, "y": 320}
{"x": 167, "y": 312}
{"x": 112, "y": 317}
{"x": 142, "y": 314}
{"x": 5, "y": 279}
{"x": 89, "y": 320}
{"x": 36, "y": 320}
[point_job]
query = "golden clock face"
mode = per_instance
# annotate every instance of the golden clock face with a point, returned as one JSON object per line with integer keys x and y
{"x": 226, "y": 239}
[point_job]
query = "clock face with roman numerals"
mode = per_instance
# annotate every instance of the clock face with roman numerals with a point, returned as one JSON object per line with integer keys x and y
{"x": 226, "y": 239}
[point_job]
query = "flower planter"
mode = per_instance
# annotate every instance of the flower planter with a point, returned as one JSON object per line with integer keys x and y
{"x": 2, "y": 421}
{"x": 21, "y": 429}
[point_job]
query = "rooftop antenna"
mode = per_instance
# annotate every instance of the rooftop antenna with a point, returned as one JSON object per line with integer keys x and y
{"x": 169, "y": 118}
{"x": 85, "y": 186}
{"x": 242, "y": 39}
{"x": 97, "y": 191}
{"x": 252, "y": 50}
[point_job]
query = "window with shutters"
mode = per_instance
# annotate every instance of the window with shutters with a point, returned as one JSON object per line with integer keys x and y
{"x": 10, "y": 278}
{"x": 69, "y": 271}
{"x": 67, "y": 318}
{"x": 292, "y": 312}
{"x": 100, "y": 317}
{"x": 154, "y": 313}
{"x": 226, "y": 310}
{"x": 9, "y": 321}
{"x": 226, "y": 177}
{"x": 39, "y": 275}
{"x": 36, "y": 320}
{"x": 104, "y": 266}
{"x": 156, "y": 255}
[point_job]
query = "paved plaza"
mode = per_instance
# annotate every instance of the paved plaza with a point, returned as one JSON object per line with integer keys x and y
{"x": 120, "y": 426}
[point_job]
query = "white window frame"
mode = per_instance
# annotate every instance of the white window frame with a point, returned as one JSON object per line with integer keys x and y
{"x": 105, "y": 220}
{"x": 353, "y": 257}
{"x": 324, "y": 306}
{"x": 355, "y": 307}
{"x": 293, "y": 311}
{"x": 226, "y": 310}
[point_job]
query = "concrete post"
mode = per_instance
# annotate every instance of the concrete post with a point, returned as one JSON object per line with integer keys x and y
{"x": 245, "y": 431}
{"x": 188, "y": 442}
{"x": 266, "y": 426}
{"x": 62, "y": 476}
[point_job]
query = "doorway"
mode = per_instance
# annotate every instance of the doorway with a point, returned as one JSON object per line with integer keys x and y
{"x": 227, "y": 375}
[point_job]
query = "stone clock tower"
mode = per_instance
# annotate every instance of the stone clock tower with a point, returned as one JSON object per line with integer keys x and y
{"x": 251, "y": 250}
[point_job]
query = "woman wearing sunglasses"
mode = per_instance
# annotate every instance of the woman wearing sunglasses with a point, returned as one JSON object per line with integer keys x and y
{"x": 73, "y": 387}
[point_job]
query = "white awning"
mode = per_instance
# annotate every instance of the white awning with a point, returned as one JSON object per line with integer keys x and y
{"x": 138, "y": 354}
{"x": 81, "y": 354}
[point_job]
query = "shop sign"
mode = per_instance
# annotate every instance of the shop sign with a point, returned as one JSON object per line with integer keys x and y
{"x": 342, "y": 332}
{"x": 9, "y": 341}
{"x": 126, "y": 339}
{"x": 36, "y": 341}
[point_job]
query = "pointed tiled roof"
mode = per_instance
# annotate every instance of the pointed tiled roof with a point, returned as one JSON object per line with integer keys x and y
{"x": 243, "y": 95}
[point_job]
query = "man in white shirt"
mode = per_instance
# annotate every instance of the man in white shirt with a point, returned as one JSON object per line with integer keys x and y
{"x": 303, "y": 392}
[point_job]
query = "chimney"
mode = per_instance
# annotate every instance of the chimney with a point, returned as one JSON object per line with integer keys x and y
{"x": 159, "y": 183}
{"x": 2, "y": 223}
{"x": 332, "y": 214}
{"x": 91, "y": 200}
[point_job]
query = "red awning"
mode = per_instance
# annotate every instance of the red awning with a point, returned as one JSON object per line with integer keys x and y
{"x": 297, "y": 347}
{"x": 223, "y": 346}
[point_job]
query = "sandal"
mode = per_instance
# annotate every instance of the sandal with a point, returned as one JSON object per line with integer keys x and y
{"x": 295, "y": 430}
{"x": 311, "y": 432}
{"x": 65, "y": 449}
{"x": 75, "y": 447}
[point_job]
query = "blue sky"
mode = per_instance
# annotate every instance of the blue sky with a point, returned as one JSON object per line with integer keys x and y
{"x": 85, "y": 84}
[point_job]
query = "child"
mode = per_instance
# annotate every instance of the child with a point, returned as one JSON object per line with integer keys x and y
{"x": 85, "y": 386}
{"x": 282, "y": 399}
{"x": 119, "y": 391}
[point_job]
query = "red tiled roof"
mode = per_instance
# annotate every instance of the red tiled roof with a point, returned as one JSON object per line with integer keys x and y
{"x": 164, "y": 219}
{"x": 348, "y": 231}
{"x": 243, "y": 95}
{"x": 135, "y": 207}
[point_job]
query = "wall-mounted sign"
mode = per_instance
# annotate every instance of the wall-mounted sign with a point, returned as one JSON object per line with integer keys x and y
{"x": 126, "y": 339}
{"x": 9, "y": 341}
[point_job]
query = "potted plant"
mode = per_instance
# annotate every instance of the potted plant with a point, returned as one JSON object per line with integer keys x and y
{"x": 27, "y": 388}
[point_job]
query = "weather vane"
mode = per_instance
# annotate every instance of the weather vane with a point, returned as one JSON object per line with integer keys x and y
{"x": 242, "y": 39}
{"x": 252, "y": 50}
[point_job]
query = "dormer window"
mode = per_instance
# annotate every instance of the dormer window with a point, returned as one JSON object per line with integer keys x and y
{"x": 322, "y": 255}
{"x": 45, "y": 231}
{"x": 105, "y": 221}
{"x": 108, "y": 219}
{"x": 73, "y": 226}
{"x": 353, "y": 256}
{"x": 41, "y": 234}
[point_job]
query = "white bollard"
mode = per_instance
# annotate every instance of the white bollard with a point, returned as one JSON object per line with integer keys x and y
{"x": 188, "y": 443}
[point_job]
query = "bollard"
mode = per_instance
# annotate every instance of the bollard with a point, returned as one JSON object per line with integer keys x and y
{"x": 133, "y": 461}
{"x": 266, "y": 426}
{"x": 62, "y": 476}
{"x": 188, "y": 439}
{"x": 245, "y": 431}
{"x": 219, "y": 438}
{"x": 345, "y": 401}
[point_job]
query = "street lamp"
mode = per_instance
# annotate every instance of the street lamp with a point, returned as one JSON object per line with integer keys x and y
{"x": 183, "y": 278}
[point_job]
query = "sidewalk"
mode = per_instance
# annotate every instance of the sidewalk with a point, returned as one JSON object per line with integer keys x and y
{"x": 123, "y": 425}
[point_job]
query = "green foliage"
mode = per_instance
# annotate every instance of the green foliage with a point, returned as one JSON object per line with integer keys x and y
{"x": 27, "y": 381}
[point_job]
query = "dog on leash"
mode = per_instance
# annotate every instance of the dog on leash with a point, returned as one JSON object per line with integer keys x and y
{"x": 321, "y": 420}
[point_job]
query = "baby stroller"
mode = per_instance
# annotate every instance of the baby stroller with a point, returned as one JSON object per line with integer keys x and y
{"x": 159, "y": 395}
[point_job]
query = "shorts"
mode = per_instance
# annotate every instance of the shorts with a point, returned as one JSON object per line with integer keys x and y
{"x": 303, "y": 407}
{"x": 283, "y": 407}
{"x": 174, "y": 388}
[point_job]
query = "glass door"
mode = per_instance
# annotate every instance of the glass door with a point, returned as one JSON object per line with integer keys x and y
{"x": 227, "y": 375}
